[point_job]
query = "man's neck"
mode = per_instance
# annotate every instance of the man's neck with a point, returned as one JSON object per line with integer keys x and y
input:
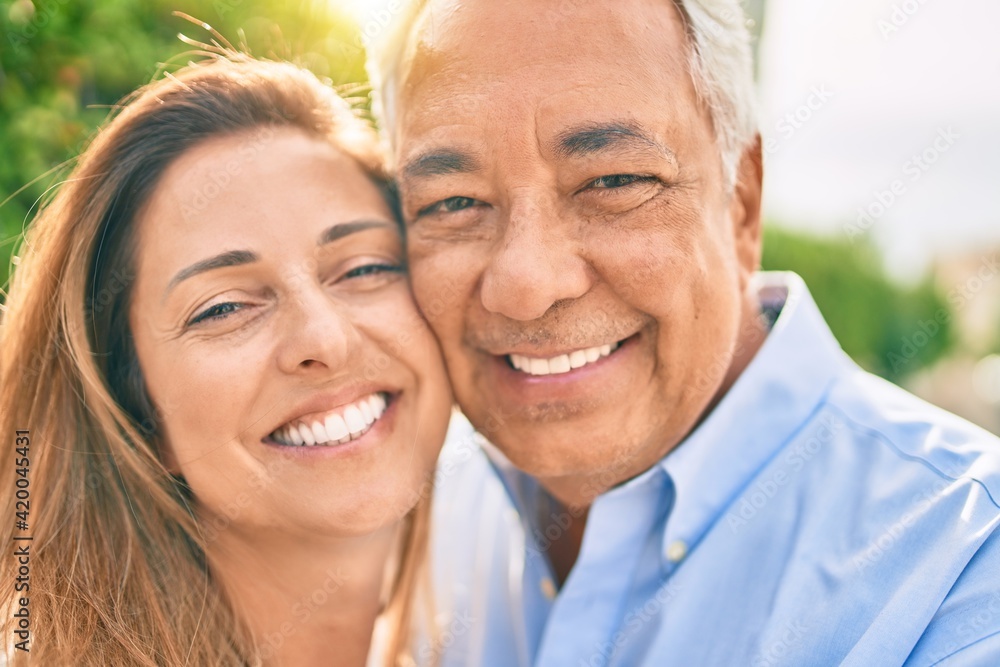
{"x": 300, "y": 597}
{"x": 563, "y": 527}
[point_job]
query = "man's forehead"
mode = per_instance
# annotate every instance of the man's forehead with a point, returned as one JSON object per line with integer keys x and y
{"x": 474, "y": 41}
{"x": 489, "y": 73}
{"x": 552, "y": 80}
{"x": 437, "y": 22}
{"x": 562, "y": 118}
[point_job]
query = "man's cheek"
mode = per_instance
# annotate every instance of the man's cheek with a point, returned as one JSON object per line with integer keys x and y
{"x": 440, "y": 286}
{"x": 647, "y": 270}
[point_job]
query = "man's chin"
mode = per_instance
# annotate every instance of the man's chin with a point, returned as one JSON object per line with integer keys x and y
{"x": 553, "y": 462}
{"x": 580, "y": 465}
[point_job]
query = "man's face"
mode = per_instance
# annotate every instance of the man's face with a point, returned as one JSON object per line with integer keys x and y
{"x": 571, "y": 237}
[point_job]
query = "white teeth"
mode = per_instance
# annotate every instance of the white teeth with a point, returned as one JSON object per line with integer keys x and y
{"x": 538, "y": 366}
{"x": 320, "y": 432}
{"x": 366, "y": 412}
{"x": 559, "y": 364}
{"x": 355, "y": 422}
{"x": 338, "y": 427}
{"x": 562, "y": 363}
{"x": 377, "y": 402}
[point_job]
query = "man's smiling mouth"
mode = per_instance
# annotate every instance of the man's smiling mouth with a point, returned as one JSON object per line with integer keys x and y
{"x": 563, "y": 363}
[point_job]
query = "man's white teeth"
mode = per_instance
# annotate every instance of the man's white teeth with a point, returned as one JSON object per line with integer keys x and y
{"x": 559, "y": 364}
{"x": 564, "y": 363}
{"x": 336, "y": 427}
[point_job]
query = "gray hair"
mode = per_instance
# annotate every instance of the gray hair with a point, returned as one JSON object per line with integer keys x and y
{"x": 720, "y": 61}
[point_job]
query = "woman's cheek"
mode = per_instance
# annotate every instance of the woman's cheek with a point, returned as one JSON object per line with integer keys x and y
{"x": 209, "y": 390}
{"x": 392, "y": 321}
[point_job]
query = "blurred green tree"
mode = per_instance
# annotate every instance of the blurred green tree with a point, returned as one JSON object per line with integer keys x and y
{"x": 65, "y": 64}
{"x": 889, "y": 329}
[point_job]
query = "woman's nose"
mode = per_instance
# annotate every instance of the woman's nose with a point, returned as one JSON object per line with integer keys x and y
{"x": 317, "y": 332}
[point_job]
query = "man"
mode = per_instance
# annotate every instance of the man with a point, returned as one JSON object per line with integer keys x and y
{"x": 693, "y": 473}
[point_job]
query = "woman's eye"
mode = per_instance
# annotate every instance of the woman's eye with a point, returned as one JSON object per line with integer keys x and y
{"x": 373, "y": 269}
{"x": 217, "y": 312}
{"x": 618, "y": 181}
{"x": 449, "y": 205}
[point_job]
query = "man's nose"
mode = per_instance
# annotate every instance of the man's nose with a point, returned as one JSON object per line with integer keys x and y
{"x": 536, "y": 263}
{"x": 317, "y": 332}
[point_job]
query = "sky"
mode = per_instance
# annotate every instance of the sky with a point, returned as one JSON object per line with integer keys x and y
{"x": 888, "y": 81}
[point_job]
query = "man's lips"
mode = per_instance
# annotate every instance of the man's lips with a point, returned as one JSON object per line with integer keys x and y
{"x": 510, "y": 389}
{"x": 562, "y": 362}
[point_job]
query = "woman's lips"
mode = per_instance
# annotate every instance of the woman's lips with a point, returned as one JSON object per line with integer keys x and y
{"x": 335, "y": 427}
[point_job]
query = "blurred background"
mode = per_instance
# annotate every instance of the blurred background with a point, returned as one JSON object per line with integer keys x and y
{"x": 879, "y": 120}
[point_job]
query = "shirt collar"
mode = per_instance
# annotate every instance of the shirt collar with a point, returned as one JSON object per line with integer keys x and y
{"x": 774, "y": 395}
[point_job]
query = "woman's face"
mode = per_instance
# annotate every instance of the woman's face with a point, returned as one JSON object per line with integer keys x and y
{"x": 298, "y": 388}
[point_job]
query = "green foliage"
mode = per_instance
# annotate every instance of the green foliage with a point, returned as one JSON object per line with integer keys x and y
{"x": 65, "y": 63}
{"x": 889, "y": 329}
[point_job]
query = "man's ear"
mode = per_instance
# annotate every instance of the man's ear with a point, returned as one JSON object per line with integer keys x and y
{"x": 745, "y": 209}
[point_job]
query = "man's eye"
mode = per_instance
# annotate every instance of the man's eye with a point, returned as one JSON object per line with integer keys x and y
{"x": 618, "y": 181}
{"x": 373, "y": 269}
{"x": 449, "y": 205}
{"x": 219, "y": 311}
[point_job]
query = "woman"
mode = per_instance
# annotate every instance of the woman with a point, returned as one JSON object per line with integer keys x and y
{"x": 233, "y": 406}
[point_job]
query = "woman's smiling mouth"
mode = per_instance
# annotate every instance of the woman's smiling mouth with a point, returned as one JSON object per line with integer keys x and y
{"x": 335, "y": 427}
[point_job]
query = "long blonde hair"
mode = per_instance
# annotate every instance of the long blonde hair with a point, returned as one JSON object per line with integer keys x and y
{"x": 118, "y": 574}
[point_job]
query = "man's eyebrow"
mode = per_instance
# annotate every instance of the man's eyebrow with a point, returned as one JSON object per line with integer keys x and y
{"x": 439, "y": 163}
{"x": 220, "y": 261}
{"x": 601, "y": 137}
{"x": 343, "y": 229}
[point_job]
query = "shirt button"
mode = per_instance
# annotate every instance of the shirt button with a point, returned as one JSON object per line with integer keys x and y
{"x": 548, "y": 589}
{"x": 676, "y": 551}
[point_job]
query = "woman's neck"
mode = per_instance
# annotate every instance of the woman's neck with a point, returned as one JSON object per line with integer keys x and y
{"x": 305, "y": 600}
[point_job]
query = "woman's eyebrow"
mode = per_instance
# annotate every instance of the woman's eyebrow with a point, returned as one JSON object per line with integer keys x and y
{"x": 241, "y": 257}
{"x": 220, "y": 261}
{"x": 342, "y": 229}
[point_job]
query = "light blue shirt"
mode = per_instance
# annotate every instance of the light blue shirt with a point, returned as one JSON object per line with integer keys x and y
{"x": 818, "y": 516}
